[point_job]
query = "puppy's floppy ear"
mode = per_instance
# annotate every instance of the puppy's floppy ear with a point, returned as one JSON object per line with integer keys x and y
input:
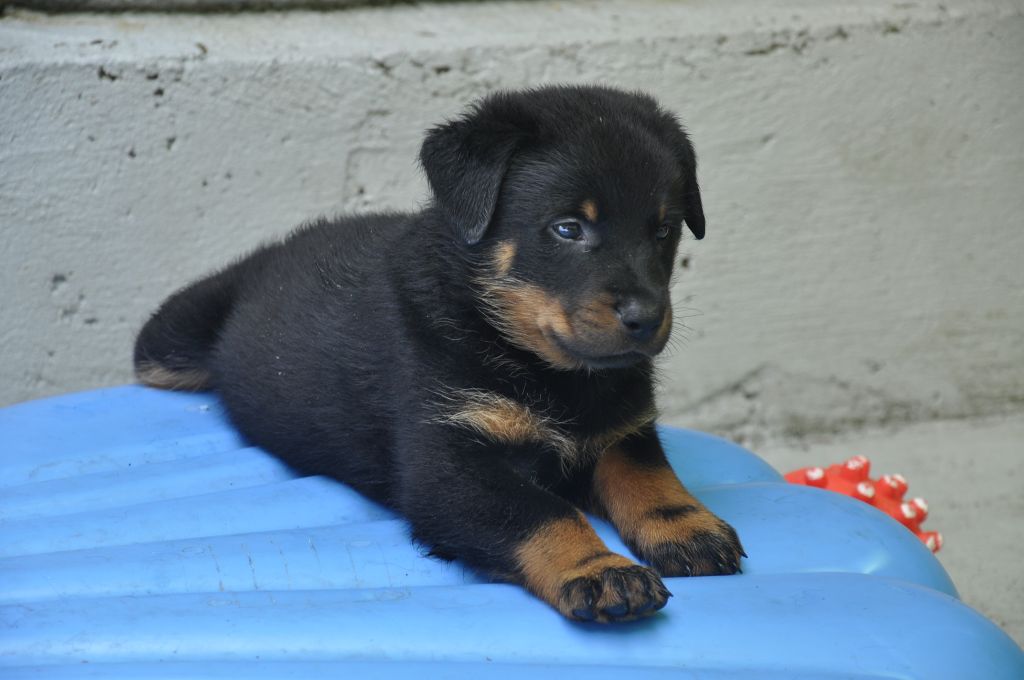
{"x": 466, "y": 160}
{"x": 693, "y": 209}
{"x": 682, "y": 149}
{"x": 668, "y": 127}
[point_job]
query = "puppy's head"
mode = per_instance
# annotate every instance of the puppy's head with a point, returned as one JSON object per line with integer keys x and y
{"x": 573, "y": 200}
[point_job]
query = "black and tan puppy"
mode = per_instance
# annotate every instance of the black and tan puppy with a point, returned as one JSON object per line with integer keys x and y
{"x": 483, "y": 366}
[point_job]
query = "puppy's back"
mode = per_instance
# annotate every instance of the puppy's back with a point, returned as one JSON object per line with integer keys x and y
{"x": 287, "y": 336}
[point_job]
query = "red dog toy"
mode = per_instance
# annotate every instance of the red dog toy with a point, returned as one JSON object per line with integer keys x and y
{"x": 886, "y": 493}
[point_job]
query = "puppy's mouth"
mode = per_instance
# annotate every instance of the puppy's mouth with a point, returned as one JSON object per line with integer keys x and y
{"x": 600, "y": 360}
{"x": 624, "y": 360}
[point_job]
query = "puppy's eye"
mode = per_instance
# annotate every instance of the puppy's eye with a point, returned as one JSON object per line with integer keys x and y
{"x": 570, "y": 230}
{"x": 663, "y": 231}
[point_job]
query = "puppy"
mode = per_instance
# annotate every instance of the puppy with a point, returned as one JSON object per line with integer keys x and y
{"x": 484, "y": 366}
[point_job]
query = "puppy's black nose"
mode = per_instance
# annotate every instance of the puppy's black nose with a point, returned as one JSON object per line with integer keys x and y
{"x": 641, "y": 318}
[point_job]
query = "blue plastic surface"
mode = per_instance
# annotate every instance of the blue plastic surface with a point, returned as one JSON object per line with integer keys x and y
{"x": 140, "y": 538}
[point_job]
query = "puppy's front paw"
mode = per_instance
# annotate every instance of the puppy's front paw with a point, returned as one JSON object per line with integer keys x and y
{"x": 565, "y": 564}
{"x": 613, "y": 593}
{"x": 691, "y": 543}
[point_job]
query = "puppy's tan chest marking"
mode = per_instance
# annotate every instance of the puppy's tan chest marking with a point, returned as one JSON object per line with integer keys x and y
{"x": 505, "y": 420}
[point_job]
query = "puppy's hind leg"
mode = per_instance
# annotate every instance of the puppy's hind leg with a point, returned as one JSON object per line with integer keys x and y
{"x": 173, "y": 347}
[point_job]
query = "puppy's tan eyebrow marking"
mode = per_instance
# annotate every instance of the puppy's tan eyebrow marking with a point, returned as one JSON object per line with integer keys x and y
{"x": 589, "y": 210}
{"x": 662, "y": 212}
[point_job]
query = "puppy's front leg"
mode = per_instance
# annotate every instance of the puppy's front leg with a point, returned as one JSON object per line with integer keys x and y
{"x": 634, "y": 486}
{"x": 465, "y": 501}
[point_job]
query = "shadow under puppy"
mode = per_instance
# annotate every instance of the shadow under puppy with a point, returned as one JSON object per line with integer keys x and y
{"x": 483, "y": 366}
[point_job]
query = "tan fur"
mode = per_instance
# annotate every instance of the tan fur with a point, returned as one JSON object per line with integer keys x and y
{"x": 628, "y": 493}
{"x": 187, "y": 380}
{"x": 504, "y": 255}
{"x": 552, "y": 557}
{"x": 666, "y": 327}
{"x": 599, "y": 314}
{"x": 504, "y": 420}
{"x": 536, "y": 321}
{"x": 589, "y": 210}
{"x": 530, "y": 319}
{"x": 662, "y": 212}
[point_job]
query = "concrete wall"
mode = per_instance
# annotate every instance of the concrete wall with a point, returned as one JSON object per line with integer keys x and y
{"x": 862, "y": 167}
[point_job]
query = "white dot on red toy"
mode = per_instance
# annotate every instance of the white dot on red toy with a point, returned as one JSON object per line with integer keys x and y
{"x": 934, "y": 541}
{"x": 920, "y": 504}
{"x": 866, "y": 489}
{"x": 815, "y": 473}
{"x": 908, "y": 510}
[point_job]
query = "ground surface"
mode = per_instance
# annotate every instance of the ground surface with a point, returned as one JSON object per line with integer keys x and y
{"x": 970, "y": 473}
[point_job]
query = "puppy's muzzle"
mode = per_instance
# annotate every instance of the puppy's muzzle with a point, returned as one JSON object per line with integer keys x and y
{"x": 619, "y": 331}
{"x": 641, "y": 318}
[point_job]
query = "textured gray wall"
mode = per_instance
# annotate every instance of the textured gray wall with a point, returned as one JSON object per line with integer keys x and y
{"x": 862, "y": 169}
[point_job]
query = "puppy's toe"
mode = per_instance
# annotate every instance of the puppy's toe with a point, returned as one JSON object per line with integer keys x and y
{"x": 617, "y": 593}
{"x": 713, "y": 548}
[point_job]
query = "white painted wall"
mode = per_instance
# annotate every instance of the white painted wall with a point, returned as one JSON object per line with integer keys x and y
{"x": 862, "y": 169}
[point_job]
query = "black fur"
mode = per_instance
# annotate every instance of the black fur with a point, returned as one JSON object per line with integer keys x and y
{"x": 340, "y": 348}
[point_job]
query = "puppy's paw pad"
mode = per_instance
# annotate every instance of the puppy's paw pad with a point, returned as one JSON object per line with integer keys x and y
{"x": 712, "y": 550}
{"x": 620, "y": 593}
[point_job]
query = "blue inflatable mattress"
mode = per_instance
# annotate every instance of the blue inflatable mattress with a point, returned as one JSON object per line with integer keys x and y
{"x": 141, "y": 538}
